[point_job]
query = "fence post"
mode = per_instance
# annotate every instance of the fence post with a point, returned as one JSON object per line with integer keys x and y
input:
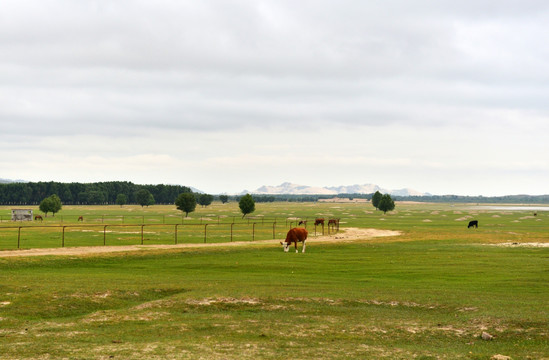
{"x": 205, "y": 227}
{"x": 176, "y": 225}
{"x": 142, "y": 226}
{"x": 274, "y": 224}
{"x": 232, "y": 231}
{"x": 253, "y": 232}
{"x": 105, "y": 235}
{"x": 18, "y": 237}
{"x": 63, "y": 241}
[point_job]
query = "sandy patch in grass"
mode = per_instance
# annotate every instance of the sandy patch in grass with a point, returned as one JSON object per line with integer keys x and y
{"x": 517, "y": 244}
{"x": 344, "y": 235}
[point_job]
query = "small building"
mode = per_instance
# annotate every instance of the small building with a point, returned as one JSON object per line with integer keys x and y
{"x": 342, "y": 200}
{"x": 21, "y": 214}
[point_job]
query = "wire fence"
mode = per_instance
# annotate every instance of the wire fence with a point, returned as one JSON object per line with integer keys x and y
{"x": 112, "y": 234}
{"x": 152, "y": 219}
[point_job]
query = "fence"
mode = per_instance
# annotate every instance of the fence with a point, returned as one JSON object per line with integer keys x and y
{"x": 159, "y": 219}
{"x": 61, "y": 235}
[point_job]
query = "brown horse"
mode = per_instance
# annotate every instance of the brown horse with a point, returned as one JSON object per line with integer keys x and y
{"x": 319, "y": 221}
{"x": 303, "y": 222}
{"x": 333, "y": 223}
{"x": 295, "y": 235}
{"x": 38, "y": 217}
{"x": 80, "y": 218}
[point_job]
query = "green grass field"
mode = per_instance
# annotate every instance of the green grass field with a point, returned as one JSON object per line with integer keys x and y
{"x": 427, "y": 294}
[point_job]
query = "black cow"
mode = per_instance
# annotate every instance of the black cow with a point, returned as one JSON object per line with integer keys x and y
{"x": 473, "y": 223}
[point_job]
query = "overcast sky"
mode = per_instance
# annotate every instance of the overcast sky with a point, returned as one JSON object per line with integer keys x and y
{"x": 446, "y": 97}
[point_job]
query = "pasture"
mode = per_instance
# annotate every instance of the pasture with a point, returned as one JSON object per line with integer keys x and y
{"x": 428, "y": 293}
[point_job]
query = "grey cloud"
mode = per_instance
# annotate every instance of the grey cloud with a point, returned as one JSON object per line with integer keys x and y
{"x": 132, "y": 66}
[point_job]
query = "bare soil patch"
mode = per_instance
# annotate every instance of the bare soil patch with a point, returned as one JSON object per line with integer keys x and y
{"x": 519, "y": 244}
{"x": 345, "y": 235}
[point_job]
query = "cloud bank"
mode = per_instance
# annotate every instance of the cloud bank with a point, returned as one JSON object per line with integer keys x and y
{"x": 445, "y": 98}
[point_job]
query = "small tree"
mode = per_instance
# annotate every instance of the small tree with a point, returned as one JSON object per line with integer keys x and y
{"x": 205, "y": 199}
{"x": 376, "y": 199}
{"x": 224, "y": 198}
{"x": 247, "y": 205}
{"x": 121, "y": 199}
{"x": 386, "y": 203}
{"x": 50, "y": 204}
{"x": 144, "y": 197}
{"x": 186, "y": 202}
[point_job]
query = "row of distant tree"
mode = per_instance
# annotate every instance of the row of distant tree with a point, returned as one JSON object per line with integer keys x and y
{"x": 113, "y": 192}
{"x": 121, "y": 192}
{"x": 186, "y": 202}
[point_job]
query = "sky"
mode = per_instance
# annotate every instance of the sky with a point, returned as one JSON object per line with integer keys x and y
{"x": 445, "y": 97}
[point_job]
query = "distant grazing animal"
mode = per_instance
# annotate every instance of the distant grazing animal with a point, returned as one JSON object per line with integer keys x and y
{"x": 319, "y": 221}
{"x": 303, "y": 222}
{"x": 38, "y": 217}
{"x": 333, "y": 223}
{"x": 295, "y": 235}
{"x": 80, "y": 218}
{"x": 473, "y": 223}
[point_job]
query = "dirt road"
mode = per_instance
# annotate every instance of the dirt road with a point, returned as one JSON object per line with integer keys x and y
{"x": 347, "y": 234}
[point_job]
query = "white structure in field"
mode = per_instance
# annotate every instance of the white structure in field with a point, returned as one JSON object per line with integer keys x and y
{"x": 21, "y": 214}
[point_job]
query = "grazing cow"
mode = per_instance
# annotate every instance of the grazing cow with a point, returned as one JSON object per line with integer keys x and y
{"x": 333, "y": 223}
{"x": 319, "y": 221}
{"x": 473, "y": 223}
{"x": 38, "y": 217}
{"x": 80, "y": 218}
{"x": 295, "y": 235}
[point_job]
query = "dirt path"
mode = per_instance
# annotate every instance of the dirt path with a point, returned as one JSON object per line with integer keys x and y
{"x": 345, "y": 235}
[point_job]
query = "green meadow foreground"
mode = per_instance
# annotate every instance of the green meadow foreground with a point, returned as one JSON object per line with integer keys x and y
{"x": 428, "y": 293}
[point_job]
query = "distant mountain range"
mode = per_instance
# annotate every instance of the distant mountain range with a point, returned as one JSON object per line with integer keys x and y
{"x": 295, "y": 189}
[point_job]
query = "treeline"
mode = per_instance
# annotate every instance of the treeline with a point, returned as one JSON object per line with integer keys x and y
{"x": 507, "y": 199}
{"x": 32, "y": 193}
{"x": 303, "y": 198}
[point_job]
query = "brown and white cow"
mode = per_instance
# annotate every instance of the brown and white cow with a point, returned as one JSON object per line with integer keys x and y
{"x": 295, "y": 235}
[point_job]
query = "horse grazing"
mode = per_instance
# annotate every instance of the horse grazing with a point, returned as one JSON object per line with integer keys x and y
{"x": 38, "y": 217}
{"x": 80, "y": 218}
{"x": 473, "y": 223}
{"x": 295, "y": 235}
{"x": 319, "y": 221}
{"x": 303, "y": 222}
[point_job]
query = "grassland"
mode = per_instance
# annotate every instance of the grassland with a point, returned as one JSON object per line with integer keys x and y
{"x": 427, "y": 294}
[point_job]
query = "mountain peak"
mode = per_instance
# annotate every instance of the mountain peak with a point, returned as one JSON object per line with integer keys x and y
{"x": 288, "y": 188}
